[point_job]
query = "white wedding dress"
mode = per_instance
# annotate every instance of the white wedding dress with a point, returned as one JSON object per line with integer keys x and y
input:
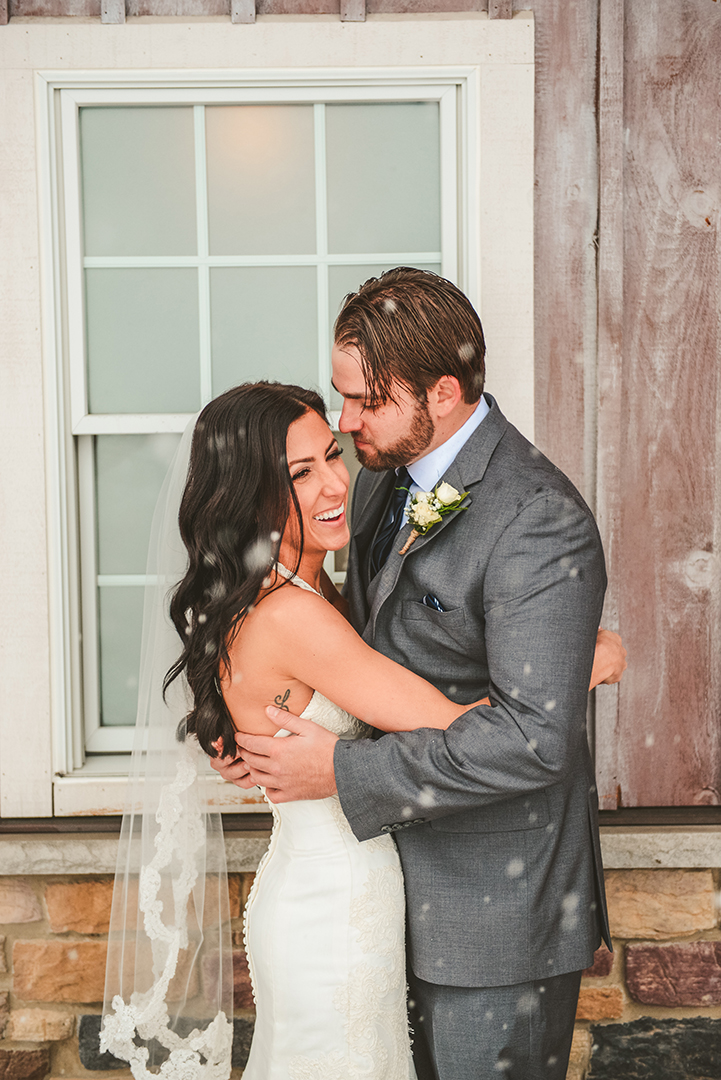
{"x": 325, "y": 928}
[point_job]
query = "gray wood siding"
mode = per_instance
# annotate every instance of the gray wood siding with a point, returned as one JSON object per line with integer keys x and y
{"x": 659, "y": 496}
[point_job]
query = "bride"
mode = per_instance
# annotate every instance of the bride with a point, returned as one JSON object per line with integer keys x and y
{"x": 325, "y": 920}
{"x": 260, "y": 621}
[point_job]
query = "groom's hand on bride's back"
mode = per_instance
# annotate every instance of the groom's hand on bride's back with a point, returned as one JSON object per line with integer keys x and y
{"x": 609, "y": 662}
{"x": 288, "y": 769}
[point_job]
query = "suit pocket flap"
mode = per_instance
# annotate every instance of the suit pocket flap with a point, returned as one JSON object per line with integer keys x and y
{"x": 446, "y": 620}
{"x": 511, "y": 815}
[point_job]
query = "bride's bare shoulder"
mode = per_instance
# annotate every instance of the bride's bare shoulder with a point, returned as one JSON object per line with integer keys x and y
{"x": 288, "y": 602}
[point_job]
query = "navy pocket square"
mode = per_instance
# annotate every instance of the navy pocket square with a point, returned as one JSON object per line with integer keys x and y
{"x": 432, "y": 601}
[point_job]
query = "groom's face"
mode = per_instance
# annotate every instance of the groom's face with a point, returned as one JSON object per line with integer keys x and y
{"x": 385, "y": 436}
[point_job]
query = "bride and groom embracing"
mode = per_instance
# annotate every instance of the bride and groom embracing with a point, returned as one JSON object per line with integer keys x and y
{"x": 472, "y": 648}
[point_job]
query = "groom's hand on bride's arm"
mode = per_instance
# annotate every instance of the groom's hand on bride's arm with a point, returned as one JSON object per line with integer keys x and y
{"x": 290, "y": 768}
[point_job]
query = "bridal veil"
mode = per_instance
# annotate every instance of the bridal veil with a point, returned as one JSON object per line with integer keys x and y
{"x": 169, "y": 985}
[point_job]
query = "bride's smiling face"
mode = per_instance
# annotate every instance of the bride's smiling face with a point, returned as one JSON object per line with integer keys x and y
{"x": 321, "y": 482}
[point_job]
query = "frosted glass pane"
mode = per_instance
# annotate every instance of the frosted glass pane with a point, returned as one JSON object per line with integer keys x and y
{"x": 346, "y": 279}
{"x": 121, "y": 621}
{"x": 261, "y": 179}
{"x": 129, "y": 471}
{"x": 138, "y": 176}
{"x": 264, "y": 325}
{"x": 142, "y": 340}
{"x": 383, "y": 177}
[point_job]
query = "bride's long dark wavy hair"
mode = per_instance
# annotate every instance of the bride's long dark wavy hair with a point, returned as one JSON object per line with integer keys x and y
{"x": 234, "y": 510}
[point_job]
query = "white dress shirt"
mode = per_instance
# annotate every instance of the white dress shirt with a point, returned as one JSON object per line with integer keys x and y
{"x": 428, "y": 470}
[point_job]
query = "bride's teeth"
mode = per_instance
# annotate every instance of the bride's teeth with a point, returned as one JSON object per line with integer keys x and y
{"x": 328, "y": 514}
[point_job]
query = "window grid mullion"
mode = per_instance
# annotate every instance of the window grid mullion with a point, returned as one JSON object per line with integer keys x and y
{"x": 346, "y": 259}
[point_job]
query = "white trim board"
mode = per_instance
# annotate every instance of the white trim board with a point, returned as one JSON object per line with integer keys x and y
{"x": 44, "y": 57}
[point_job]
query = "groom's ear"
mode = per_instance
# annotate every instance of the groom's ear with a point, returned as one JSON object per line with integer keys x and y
{"x": 444, "y": 396}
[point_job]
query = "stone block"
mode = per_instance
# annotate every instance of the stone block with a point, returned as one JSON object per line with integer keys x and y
{"x": 4, "y": 1012}
{"x": 39, "y": 1025}
{"x": 246, "y": 884}
{"x": 24, "y": 1064}
{"x": 242, "y": 989}
{"x": 234, "y": 894}
{"x": 3, "y": 959}
{"x": 91, "y": 1058}
{"x": 600, "y": 1003}
{"x": 673, "y": 975}
{"x": 59, "y": 970}
{"x": 580, "y": 1054}
{"x": 242, "y": 1037}
{"x": 650, "y": 1049}
{"x": 659, "y": 904}
{"x": 89, "y": 1045}
{"x": 602, "y": 964}
{"x": 82, "y": 906}
{"x": 211, "y": 907}
{"x": 18, "y": 903}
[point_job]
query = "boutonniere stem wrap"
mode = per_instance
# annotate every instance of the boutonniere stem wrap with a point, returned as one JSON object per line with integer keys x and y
{"x": 427, "y": 508}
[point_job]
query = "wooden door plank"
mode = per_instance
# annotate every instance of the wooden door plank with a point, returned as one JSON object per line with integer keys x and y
{"x": 422, "y": 7}
{"x": 566, "y": 214}
{"x": 666, "y": 558}
{"x": 610, "y": 354}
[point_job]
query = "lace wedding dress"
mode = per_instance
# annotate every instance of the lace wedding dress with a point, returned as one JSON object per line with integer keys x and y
{"x": 325, "y": 929}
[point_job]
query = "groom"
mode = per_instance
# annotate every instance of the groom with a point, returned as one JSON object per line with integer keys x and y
{"x": 495, "y": 818}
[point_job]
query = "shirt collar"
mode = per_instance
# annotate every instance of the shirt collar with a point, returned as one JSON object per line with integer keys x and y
{"x": 427, "y": 471}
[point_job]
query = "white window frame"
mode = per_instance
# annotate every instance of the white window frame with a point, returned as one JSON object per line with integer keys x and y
{"x": 84, "y": 425}
{"x": 96, "y": 785}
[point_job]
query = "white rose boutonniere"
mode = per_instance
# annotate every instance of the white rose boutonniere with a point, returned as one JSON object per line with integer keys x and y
{"x": 427, "y": 508}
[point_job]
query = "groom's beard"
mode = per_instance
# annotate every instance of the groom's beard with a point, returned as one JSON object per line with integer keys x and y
{"x": 409, "y": 447}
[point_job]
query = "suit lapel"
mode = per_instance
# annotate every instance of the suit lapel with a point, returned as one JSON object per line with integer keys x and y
{"x": 367, "y": 511}
{"x": 464, "y": 474}
{"x": 370, "y": 516}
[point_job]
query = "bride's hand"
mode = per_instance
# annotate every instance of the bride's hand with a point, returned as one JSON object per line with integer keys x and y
{"x": 291, "y": 769}
{"x": 232, "y": 769}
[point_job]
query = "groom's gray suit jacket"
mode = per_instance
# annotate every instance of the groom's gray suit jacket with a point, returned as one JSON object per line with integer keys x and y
{"x": 495, "y": 818}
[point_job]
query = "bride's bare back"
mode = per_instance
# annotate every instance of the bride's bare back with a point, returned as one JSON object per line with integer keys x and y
{"x": 259, "y": 674}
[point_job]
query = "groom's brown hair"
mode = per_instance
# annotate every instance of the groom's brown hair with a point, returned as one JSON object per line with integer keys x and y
{"x": 413, "y": 327}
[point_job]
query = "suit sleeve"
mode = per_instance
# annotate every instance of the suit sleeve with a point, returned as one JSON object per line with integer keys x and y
{"x": 542, "y": 596}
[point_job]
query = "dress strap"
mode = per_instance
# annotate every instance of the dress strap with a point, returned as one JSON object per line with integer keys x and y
{"x": 295, "y": 580}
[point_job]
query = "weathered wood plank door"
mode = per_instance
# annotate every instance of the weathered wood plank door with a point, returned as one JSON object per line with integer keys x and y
{"x": 659, "y": 436}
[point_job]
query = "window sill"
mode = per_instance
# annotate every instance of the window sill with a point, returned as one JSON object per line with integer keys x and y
{"x": 94, "y": 792}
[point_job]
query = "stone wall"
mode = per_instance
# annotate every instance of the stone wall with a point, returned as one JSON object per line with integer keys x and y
{"x": 656, "y": 999}
{"x": 653, "y": 1007}
{"x": 53, "y": 942}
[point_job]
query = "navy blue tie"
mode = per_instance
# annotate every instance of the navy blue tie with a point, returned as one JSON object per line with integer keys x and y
{"x": 384, "y": 540}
